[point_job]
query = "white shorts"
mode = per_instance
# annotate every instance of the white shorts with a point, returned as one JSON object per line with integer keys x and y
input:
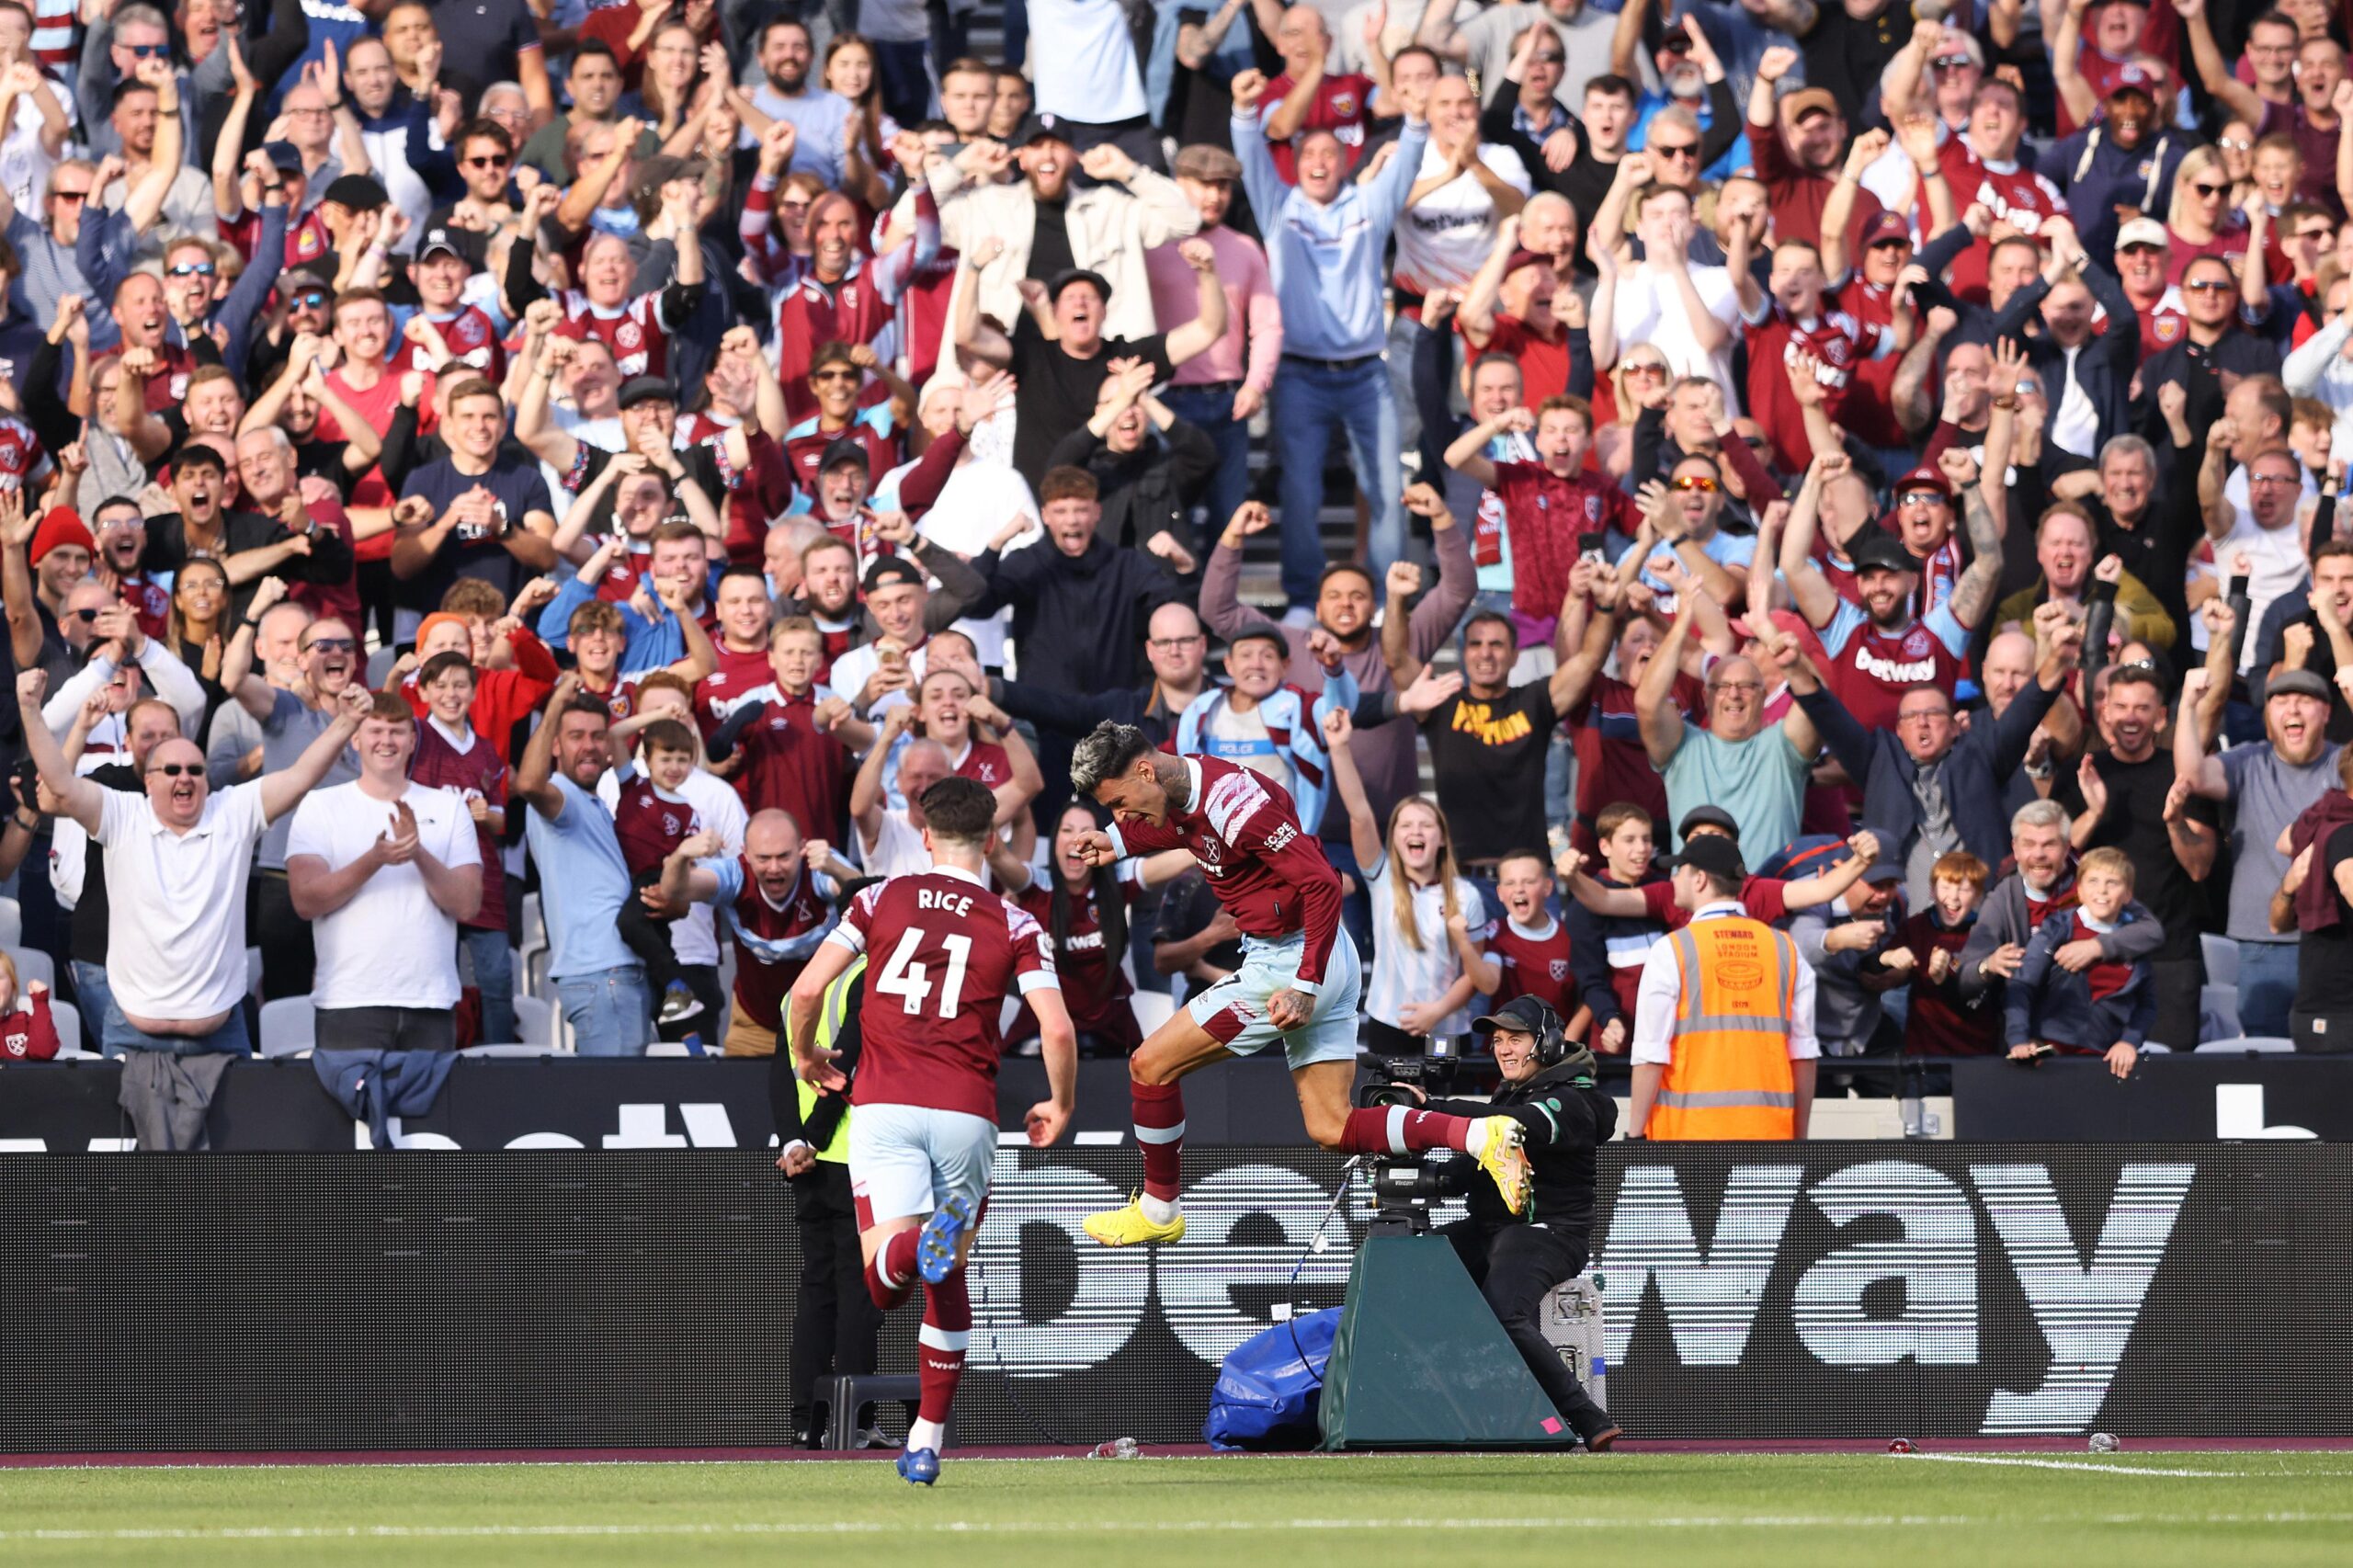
{"x": 1234, "y": 1009}
{"x": 906, "y": 1159}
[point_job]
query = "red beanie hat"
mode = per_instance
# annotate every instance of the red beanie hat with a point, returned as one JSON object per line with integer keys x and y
{"x": 62, "y": 525}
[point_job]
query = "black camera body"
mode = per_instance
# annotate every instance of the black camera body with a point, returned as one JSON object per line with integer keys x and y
{"x": 1434, "y": 1075}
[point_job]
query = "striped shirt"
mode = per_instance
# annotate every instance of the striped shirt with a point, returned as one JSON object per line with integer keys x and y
{"x": 1402, "y": 973}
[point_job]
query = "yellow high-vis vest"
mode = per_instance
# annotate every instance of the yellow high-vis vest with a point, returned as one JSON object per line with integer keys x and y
{"x": 840, "y": 996}
{"x": 1729, "y": 1076}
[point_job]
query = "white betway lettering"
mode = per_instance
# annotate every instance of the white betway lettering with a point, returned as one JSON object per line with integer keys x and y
{"x": 1895, "y": 672}
{"x": 1935, "y": 1258}
{"x": 1710, "y": 1297}
{"x": 2238, "y": 1113}
{"x": 2086, "y": 1313}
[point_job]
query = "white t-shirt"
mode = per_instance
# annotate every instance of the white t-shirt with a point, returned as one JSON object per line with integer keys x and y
{"x": 1443, "y": 239}
{"x": 897, "y": 850}
{"x": 1082, "y": 59}
{"x": 693, "y": 936}
{"x": 2279, "y": 562}
{"x": 1650, "y": 309}
{"x": 854, "y": 670}
{"x": 175, "y": 946}
{"x": 1403, "y": 974}
{"x": 390, "y": 945}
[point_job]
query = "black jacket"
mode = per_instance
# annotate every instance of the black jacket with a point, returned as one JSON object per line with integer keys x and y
{"x": 1147, "y": 491}
{"x": 1079, "y": 620}
{"x": 1565, "y": 1119}
{"x": 2104, "y": 365}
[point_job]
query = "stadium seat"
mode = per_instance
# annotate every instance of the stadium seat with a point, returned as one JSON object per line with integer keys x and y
{"x": 289, "y": 1026}
{"x": 68, "y": 1019}
{"x": 535, "y": 1020}
{"x": 2222, "y": 958}
{"x": 2218, "y": 1012}
{"x": 379, "y": 665}
{"x": 507, "y": 1051}
{"x": 2248, "y": 1045}
{"x": 252, "y": 973}
{"x": 12, "y": 922}
{"x": 1152, "y": 1008}
{"x": 33, "y": 964}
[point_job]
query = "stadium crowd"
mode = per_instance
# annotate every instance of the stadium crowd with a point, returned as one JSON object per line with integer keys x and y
{"x": 458, "y": 450}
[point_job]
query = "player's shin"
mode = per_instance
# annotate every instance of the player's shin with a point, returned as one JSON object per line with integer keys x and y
{"x": 1398, "y": 1130}
{"x": 1160, "y": 1134}
{"x": 939, "y": 1348}
{"x": 891, "y": 1272}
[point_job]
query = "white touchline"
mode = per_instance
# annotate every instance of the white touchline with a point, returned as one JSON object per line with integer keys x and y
{"x": 2086, "y": 1467}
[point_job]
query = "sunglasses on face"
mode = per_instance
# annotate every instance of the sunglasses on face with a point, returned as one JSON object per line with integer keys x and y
{"x": 1919, "y": 500}
{"x": 312, "y": 300}
{"x": 149, "y": 50}
{"x": 1952, "y": 63}
{"x": 332, "y": 645}
{"x": 834, "y": 376}
{"x": 191, "y": 269}
{"x": 496, "y": 161}
{"x": 179, "y": 769}
{"x": 85, "y": 616}
{"x": 2209, "y": 189}
{"x": 1548, "y": 58}
{"x": 2235, "y": 145}
{"x": 69, "y": 196}
{"x": 2209, "y": 285}
{"x": 1646, "y": 369}
{"x": 1676, "y": 149}
{"x": 1698, "y": 482}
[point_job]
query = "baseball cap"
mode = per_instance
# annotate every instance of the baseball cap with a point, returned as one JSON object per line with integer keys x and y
{"x": 2143, "y": 231}
{"x": 356, "y": 193}
{"x": 1260, "y": 631}
{"x": 1878, "y": 550}
{"x": 653, "y": 389}
{"x": 2296, "y": 683}
{"x": 1525, "y": 1014}
{"x": 1203, "y": 162}
{"x": 893, "y": 569}
{"x": 1707, "y": 817}
{"x": 1810, "y": 100}
{"x": 439, "y": 242}
{"x": 1886, "y": 229}
{"x": 1924, "y": 478}
{"x": 1035, "y": 127}
{"x": 1716, "y": 856}
{"x": 1523, "y": 256}
{"x": 284, "y": 156}
{"x": 1069, "y": 276}
{"x": 842, "y": 450}
{"x": 1883, "y": 871}
{"x": 2135, "y": 79}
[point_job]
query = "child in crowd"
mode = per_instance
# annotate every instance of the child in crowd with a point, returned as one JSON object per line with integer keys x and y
{"x": 1537, "y": 958}
{"x": 452, "y": 754}
{"x": 2104, "y": 1007}
{"x": 1938, "y": 1023}
{"x": 653, "y": 819}
{"x": 27, "y": 1033}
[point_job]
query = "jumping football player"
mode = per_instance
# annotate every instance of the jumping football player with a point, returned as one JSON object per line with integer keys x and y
{"x": 1299, "y": 983}
{"x": 943, "y": 952}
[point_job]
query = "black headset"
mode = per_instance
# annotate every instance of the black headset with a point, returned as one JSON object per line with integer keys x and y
{"x": 1552, "y": 1038}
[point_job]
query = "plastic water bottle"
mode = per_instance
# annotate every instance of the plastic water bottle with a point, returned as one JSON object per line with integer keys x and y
{"x": 2105, "y": 1443}
{"x": 1116, "y": 1449}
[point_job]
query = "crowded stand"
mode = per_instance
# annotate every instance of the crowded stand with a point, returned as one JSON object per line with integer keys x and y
{"x": 508, "y": 514}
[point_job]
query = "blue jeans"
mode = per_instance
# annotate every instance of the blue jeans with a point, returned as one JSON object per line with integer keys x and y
{"x": 1309, "y": 403}
{"x": 493, "y": 963}
{"x": 1229, "y": 485}
{"x": 97, "y": 994}
{"x": 906, "y": 84}
{"x": 609, "y": 1010}
{"x": 2266, "y": 986}
{"x": 229, "y": 1039}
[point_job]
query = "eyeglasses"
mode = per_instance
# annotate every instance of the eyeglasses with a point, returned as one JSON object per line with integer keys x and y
{"x": 191, "y": 269}
{"x": 2209, "y": 189}
{"x": 1676, "y": 149}
{"x": 1921, "y": 499}
{"x": 331, "y": 645}
{"x": 2271, "y": 479}
{"x": 1920, "y": 714}
{"x": 1170, "y": 644}
{"x": 1698, "y": 482}
{"x": 1951, "y": 62}
{"x": 83, "y": 616}
{"x": 310, "y": 300}
{"x": 1738, "y": 686}
{"x": 496, "y": 161}
{"x": 309, "y": 113}
{"x": 1645, "y": 369}
{"x": 2209, "y": 285}
{"x": 2235, "y": 144}
{"x": 2030, "y": 389}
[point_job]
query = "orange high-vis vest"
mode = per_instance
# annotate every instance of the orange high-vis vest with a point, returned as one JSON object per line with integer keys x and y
{"x": 1729, "y": 1076}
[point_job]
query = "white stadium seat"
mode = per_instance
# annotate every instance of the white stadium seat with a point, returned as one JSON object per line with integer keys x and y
{"x": 33, "y": 964}
{"x": 289, "y": 1026}
{"x": 12, "y": 922}
{"x": 2247, "y": 1044}
{"x": 535, "y": 1020}
{"x": 2222, "y": 958}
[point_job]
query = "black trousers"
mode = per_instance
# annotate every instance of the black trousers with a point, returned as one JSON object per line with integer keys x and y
{"x": 287, "y": 958}
{"x": 834, "y": 1322}
{"x": 1515, "y": 1268}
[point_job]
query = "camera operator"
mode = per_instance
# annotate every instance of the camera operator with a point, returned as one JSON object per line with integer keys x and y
{"x": 1517, "y": 1259}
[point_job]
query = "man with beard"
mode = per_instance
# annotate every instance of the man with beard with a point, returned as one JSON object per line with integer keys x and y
{"x": 600, "y": 982}
{"x": 817, "y": 116}
{"x": 1048, "y": 229}
{"x": 1930, "y": 786}
{"x": 2131, "y": 798}
{"x": 2307, "y": 631}
{"x": 2124, "y": 163}
{"x": 2268, "y": 784}
{"x": 1346, "y": 595}
{"x": 327, "y": 664}
{"x": 2270, "y": 532}
{"x": 121, "y": 531}
{"x": 250, "y": 545}
{"x": 2043, "y": 882}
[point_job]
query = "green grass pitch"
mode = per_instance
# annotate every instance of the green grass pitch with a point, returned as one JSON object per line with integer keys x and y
{"x": 2142, "y": 1510}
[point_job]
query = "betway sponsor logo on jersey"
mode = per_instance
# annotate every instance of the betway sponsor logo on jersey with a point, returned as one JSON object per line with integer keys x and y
{"x": 1918, "y": 664}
